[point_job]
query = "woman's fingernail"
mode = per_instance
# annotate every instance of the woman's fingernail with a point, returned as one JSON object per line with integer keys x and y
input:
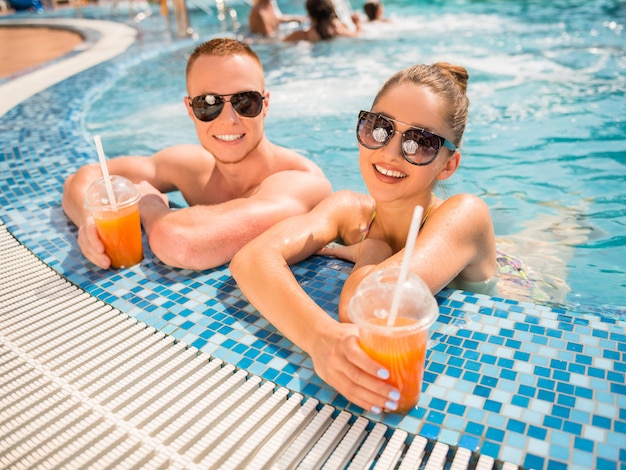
{"x": 394, "y": 395}
{"x": 376, "y": 410}
{"x": 391, "y": 405}
{"x": 383, "y": 374}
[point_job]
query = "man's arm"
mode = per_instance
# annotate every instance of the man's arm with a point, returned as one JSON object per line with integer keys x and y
{"x": 181, "y": 167}
{"x": 206, "y": 236}
{"x": 132, "y": 167}
{"x": 73, "y": 204}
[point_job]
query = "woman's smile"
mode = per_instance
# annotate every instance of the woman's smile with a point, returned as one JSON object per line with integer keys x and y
{"x": 380, "y": 170}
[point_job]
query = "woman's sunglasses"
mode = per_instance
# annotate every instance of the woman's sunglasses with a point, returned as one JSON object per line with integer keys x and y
{"x": 207, "y": 107}
{"x": 419, "y": 146}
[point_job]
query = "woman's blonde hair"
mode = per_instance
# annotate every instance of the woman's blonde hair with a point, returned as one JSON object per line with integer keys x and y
{"x": 447, "y": 81}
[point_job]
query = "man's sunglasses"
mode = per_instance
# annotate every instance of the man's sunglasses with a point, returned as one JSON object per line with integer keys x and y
{"x": 419, "y": 146}
{"x": 207, "y": 107}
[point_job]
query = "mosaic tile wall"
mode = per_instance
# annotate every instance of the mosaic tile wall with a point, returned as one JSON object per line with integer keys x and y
{"x": 534, "y": 385}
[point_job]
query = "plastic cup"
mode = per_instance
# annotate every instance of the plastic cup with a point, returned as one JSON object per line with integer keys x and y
{"x": 118, "y": 225}
{"x": 400, "y": 347}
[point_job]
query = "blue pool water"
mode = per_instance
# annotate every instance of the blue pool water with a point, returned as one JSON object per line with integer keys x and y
{"x": 545, "y": 146}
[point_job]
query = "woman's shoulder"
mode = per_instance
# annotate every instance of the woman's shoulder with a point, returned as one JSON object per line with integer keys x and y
{"x": 465, "y": 204}
{"x": 464, "y": 210}
{"x": 298, "y": 35}
{"x": 465, "y": 223}
{"x": 353, "y": 199}
{"x": 302, "y": 35}
{"x": 348, "y": 205}
{"x": 351, "y": 212}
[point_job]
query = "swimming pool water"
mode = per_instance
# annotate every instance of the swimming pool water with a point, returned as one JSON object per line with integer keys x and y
{"x": 545, "y": 145}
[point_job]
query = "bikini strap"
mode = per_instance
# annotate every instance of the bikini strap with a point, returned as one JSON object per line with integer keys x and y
{"x": 369, "y": 225}
{"x": 430, "y": 207}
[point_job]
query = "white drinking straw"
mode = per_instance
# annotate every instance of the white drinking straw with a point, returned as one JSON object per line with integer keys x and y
{"x": 105, "y": 171}
{"x": 406, "y": 262}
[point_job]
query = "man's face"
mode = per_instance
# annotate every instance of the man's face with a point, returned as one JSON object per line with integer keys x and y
{"x": 230, "y": 137}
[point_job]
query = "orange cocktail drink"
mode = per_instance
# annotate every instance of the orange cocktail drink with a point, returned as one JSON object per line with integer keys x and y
{"x": 402, "y": 353}
{"x": 120, "y": 231}
{"x": 398, "y": 343}
{"x": 117, "y": 221}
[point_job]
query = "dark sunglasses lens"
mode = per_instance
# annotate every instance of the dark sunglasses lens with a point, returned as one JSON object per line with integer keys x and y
{"x": 374, "y": 131}
{"x": 420, "y": 147}
{"x": 207, "y": 107}
{"x": 248, "y": 104}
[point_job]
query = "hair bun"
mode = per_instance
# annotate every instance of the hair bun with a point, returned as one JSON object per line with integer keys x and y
{"x": 457, "y": 73}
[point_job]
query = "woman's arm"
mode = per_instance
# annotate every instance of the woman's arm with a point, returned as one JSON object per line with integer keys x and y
{"x": 261, "y": 268}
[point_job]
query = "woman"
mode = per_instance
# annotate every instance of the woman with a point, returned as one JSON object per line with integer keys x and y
{"x": 325, "y": 23}
{"x": 408, "y": 142}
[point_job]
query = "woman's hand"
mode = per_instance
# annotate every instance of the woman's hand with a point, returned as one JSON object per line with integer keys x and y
{"x": 337, "y": 250}
{"x": 339, "y": 361}
{"x": 369, "y": 251}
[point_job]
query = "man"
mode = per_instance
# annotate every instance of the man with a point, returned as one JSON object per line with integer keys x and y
{"x": 265, "y": 18}
{"x": 237, "y": 183}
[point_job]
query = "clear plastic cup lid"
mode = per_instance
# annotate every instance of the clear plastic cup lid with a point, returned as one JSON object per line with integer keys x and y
{"x": 125, "y": 191}
{"x": 371, "y": 302}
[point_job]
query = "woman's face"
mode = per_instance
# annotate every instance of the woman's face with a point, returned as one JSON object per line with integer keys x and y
{"x": 387, "y": 174}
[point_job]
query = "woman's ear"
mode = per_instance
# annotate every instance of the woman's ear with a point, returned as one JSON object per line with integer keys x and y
{"x": 450, "y": 167}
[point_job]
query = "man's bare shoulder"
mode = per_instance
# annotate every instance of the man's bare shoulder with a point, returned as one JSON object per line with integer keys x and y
{"x": 182, "y": 152}
{"x": 185, "y": 167}
{"x": 288, "y": 159}
{"x": 294, "y": 177}
{"x": 187, "y": 159}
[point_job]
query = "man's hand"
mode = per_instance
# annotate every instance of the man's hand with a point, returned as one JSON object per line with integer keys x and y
{"x": 90, "y": 244}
